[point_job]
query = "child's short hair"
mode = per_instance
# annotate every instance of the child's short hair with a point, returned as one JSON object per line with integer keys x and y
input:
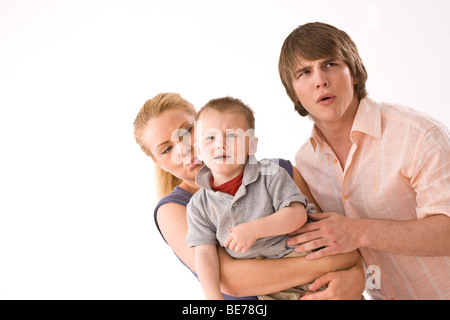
{"x": 229, "y": 104}
{"x": 314, "y": 41}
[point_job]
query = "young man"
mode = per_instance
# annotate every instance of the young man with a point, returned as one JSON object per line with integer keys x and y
{"x": 380, "y": 172}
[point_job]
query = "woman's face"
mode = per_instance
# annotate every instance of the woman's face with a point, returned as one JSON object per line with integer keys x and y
{"x": 170, "y": 138}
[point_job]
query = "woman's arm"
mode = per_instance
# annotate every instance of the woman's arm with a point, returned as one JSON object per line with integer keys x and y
{"x": 248, "y": 276}
{"x": 172, "y": 222}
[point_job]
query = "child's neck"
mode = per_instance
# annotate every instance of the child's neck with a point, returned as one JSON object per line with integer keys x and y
{"x": 221, "y": 178}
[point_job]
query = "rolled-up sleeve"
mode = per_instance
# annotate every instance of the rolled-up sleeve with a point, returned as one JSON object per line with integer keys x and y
{"x": 430, "y": 176}
{"x": 284, "y": 191}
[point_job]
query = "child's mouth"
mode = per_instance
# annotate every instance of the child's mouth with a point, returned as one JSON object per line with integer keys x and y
{"x": 222, "y": 157}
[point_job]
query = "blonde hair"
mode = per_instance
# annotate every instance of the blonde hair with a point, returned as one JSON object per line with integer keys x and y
{"x": 165, "y": 181}
{"x": 314, "y": 41}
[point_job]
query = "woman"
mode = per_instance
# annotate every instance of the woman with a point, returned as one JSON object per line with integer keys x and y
{"x": 164, "y": 130}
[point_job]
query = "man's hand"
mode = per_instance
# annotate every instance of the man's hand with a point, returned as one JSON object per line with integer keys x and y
{"x": 241, "y": 238}
{"x": 331, "y": 231}
{"x": 342, "y": 285}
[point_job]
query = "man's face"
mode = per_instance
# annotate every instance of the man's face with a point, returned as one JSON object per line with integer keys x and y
{"x": 325, "y": 88}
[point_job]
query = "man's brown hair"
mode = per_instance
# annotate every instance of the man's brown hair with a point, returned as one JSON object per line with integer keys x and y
{"x": 314, "y": 41}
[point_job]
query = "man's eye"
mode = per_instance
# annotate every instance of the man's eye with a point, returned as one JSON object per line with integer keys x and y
{"x": 302, "y": 74}
{"x": 231, "y": 135}
{"x": 209, "y": 138}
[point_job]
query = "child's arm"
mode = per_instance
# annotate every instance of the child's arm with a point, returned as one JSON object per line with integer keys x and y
{"x": 284, "y": 221}
{"x": 207, "y": 264}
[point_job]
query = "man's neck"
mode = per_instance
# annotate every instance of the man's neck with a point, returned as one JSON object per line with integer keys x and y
{"x": 337, "y": 134}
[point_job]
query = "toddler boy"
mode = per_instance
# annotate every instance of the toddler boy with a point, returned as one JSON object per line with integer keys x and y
{"x": 244, "y": 205}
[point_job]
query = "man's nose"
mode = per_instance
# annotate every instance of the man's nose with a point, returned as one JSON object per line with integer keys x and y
{"x": 321, "y": 80}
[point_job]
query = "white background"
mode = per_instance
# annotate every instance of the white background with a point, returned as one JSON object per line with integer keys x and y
{"x": 76, "y": 192}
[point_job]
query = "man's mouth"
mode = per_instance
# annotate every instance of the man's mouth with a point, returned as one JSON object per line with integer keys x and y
{"x": 326, "y": 99}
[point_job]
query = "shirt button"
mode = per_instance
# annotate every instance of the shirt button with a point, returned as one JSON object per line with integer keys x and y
{"x": 335, "y": 160}
{"x": 234, "y": 204}
{"x": 346, "y": 196}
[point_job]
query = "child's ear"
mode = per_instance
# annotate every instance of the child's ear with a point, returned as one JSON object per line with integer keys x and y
{"x": 253, "y": 144}
{"x": 197, "y": 152}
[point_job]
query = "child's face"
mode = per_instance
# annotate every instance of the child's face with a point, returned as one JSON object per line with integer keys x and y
{"x": 224, "y": 141}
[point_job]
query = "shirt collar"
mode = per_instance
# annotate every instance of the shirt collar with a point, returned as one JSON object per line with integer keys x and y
{"x": 251, "y": 172}
{"x": 367, "y": 120}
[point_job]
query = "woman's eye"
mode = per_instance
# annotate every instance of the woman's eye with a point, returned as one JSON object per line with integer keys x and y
{"x": 184, "y": 134}
{"x": 166, "y": 150}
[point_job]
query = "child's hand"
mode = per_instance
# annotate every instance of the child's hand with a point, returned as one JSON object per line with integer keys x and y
{"x": 241, "y": 238}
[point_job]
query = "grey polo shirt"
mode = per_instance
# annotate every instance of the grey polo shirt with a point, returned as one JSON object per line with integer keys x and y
{"x": 266, "y": 188}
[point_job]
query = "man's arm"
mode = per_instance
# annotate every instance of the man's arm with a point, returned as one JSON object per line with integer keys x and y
{"x": 303, "y": 186}
{"x": 336, "y": 233}
{"x": 425, "y": 237}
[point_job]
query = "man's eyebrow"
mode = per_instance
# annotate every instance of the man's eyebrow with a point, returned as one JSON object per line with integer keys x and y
{"x": 301, "y": 69}
{"x": 327, "y": 61}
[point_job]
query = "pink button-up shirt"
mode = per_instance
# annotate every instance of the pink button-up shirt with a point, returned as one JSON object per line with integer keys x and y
{"x": 398, "y": 169}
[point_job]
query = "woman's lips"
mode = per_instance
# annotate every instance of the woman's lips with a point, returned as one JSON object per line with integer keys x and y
{"x": 194, "y": 163}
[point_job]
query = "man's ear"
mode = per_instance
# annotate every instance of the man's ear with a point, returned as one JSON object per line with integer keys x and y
{"x": 197, "y": 151}
{"x": 253, "y": 145}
